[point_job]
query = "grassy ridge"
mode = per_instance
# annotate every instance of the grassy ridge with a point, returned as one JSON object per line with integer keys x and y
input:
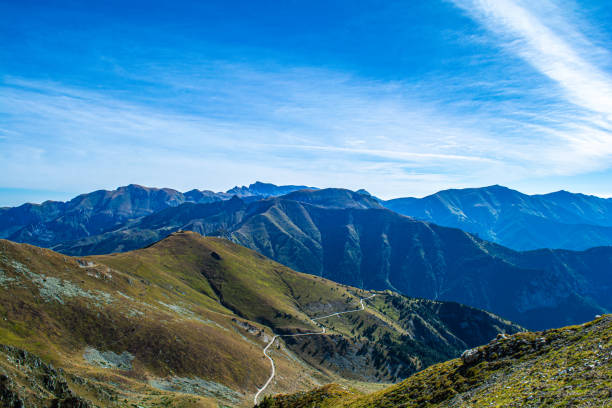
{"x": 54, "y": 307}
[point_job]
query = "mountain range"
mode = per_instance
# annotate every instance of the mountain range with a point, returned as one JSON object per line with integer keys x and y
{"x": 519, "y": 221}
{"x": 182, "y": 323}
{"x": 559, "y": 220}
{"x": 53, "y": 222}
{"x": 352, "y": 239}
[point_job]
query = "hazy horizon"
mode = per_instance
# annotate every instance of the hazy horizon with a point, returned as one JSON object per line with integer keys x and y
{"x": 64, "y": 196}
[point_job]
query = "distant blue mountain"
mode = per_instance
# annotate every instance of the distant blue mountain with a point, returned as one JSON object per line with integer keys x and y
{"x": 265, "y": 190}
{"x": 89, "y": 214}
{"x": 519, "y": 221}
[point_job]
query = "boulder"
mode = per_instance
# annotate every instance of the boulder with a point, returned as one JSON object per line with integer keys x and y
{"x": 471, "y": 356}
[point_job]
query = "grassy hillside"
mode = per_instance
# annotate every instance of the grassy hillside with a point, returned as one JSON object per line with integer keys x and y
{"x": 567, "y": 367}
{"x": 185, "y": 321}
{"x": 69, "y": 311}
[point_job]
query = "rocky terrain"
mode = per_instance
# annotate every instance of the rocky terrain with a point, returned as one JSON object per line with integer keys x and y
{"x": 567, "y": 367}
{"x": 28, "y": 381}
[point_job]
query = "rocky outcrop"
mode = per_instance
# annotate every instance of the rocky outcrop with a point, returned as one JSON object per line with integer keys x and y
{"x": 47, "y": 385}
{"x": 471, "y": 356}
{"x": 505, "y": 346}
{"x": 8, "y": 396}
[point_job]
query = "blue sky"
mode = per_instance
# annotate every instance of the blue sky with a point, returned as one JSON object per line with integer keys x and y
{"x": 400, "y": 98}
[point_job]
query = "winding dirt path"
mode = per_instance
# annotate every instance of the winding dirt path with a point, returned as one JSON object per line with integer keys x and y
{"x": 323, "y": 331}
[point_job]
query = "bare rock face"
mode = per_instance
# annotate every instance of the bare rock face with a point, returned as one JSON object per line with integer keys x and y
{"x": 505, "y": 346}
{"x": 49, "y": 384}
{"x": 471, "y": 356}
{"x": 8, "y": 396}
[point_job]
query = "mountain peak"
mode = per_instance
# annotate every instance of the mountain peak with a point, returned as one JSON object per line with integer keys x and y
{"x": 265, "y": 189}
{"x": 496, "y": 213}
{"x": 497, "y": 187}
{"x": 133, "y": 186}
{"x": 261, "y": 185}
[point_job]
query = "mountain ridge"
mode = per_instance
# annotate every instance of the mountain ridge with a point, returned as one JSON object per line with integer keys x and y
{"x": 560, "y": 220}
{"x": 52, "y": 222}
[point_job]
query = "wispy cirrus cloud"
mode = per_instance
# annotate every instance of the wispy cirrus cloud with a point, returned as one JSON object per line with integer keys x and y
{"x": 320, "y": 127}
{"x": 545, "y": 37}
